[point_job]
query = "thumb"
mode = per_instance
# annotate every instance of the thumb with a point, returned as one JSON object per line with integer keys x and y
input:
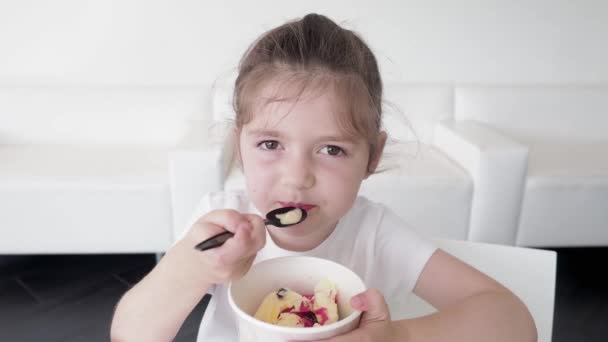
{"x": 373, "y": 305}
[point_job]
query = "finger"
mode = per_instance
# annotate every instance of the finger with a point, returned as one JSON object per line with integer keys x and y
{"x": 242, "y": 241}
{"x": 258, "y": 232}
{"x": 373, "y": 305}
{"x": 200, "y": 232}
{"x": 239, "y": 247}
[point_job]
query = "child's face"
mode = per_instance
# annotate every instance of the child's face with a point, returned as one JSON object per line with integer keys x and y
{"x": 294, "y": 153}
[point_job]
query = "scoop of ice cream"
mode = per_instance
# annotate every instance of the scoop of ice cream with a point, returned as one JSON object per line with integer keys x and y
{"x": 325, "y": 304}
{"x": 290, "y": 217}
{"x": 304, "y": 319}
{"x": 288, "y": 308}
{"x": 283, "y": 300}
{"x": 288, "y": 319}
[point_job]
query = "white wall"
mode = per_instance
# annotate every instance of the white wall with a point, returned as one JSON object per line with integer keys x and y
{"x": 152, "y": 42}
{"x": 156, "y": 115}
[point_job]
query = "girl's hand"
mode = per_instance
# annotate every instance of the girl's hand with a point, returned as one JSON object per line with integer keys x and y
{"x": 231, "y": 260}
{"x": 375, "y": 322}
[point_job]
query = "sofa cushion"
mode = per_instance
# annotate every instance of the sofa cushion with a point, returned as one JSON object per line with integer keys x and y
{"x": 559, "y": 162}
{"x": 566, "y": 197}
{"x": 83, "y": 199}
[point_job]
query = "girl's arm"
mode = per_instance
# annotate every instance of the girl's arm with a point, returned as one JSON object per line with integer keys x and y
{"x": 471, "y": 306}
{"x": 157, "y": 306}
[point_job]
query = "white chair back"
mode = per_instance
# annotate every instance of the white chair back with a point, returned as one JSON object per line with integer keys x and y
{"x": 529, "y": 273}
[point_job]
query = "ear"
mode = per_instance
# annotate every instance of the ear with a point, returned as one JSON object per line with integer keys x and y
{"x": 375, "y": 157}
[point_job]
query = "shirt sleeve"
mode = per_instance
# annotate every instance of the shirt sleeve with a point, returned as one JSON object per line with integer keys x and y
{"x": 401, "y": 254}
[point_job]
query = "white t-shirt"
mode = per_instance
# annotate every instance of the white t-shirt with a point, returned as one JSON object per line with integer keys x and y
{"x": 370, "y": 239}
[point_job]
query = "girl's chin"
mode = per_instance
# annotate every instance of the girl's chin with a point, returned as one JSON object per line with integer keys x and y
{"x": 299, "y": 229}
{"x": 308, "y": 228}
{"x": 297, "y": 240}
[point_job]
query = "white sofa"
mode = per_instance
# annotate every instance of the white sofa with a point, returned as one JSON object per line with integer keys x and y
{"x": 85, "y": 169}
{"x": 565, "y": 129}
{"x": 119, "y": 169}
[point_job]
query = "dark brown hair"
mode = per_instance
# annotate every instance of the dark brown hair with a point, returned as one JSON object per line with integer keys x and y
{"x": 314, "y": 53}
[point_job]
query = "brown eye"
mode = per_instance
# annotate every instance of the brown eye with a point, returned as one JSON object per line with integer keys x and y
{"x": 333, "y": 150}
{"x": 269, "y": 144}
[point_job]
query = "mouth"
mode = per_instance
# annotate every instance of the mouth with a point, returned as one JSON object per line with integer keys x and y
{"x": 304, "y": 206}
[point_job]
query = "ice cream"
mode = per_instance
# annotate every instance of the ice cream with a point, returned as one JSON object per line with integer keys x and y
{"x": 281, "y": 301}
{"x": 325, "y": 305}
{"x": 289, "y": 308}
{"x": 290, "y": 217}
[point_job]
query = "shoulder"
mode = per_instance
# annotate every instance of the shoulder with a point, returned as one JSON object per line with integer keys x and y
{"x": 368, "y": 222}
{"x": 365, "y": 210}
{"x": 375, "y": 214}
{"x": 398, "y": 249}
{"x": 385, "y": 227}
{"x": 387, "y": 246}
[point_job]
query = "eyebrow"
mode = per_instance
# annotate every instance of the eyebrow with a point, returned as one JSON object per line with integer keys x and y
{"x": 264, "y": 132}
{"x": 277, "y": 134}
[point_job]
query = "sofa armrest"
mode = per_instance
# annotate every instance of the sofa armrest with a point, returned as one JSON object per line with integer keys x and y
{"x": 498, "y": 166}
{"x": 197, "y": 166}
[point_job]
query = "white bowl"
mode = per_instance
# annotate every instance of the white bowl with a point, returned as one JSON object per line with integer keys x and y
{"x": 300, "y": 274}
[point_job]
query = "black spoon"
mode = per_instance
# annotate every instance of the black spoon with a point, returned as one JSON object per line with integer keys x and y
{"x": 281, "y": 217}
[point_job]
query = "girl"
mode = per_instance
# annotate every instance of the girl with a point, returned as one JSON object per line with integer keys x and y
{"x": 308, "y": 112}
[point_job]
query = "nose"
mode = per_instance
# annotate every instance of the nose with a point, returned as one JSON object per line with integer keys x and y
{"x": 298, "y": 172}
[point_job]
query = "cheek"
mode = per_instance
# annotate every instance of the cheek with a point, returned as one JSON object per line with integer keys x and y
{"x": 346, "y": 171}
{"x": 259, "y": 172}
{"x": 341, "y": 178}
{"x": 340, "y": 184}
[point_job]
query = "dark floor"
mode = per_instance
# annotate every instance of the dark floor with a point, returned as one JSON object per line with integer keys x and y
{"x": 71, "y": 298}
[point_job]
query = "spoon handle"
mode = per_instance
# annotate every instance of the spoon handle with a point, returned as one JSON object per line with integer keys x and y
{"x": 217, "y": 240}
{"x": 214, "y": 241}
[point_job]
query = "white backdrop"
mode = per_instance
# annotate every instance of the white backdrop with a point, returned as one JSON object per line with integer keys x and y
{"x": 186, "y": 42}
